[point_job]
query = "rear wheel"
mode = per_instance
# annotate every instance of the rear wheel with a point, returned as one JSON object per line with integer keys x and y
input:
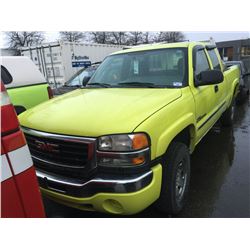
{"x": 175, "y": 179}
{"x": 242, "y": 96}
{"x": 228, "y": 116}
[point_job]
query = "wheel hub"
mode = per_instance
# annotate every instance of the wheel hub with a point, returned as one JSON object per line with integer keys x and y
{"x": 180, "y": 182}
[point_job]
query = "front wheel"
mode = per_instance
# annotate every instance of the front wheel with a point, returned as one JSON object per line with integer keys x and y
{"x": 175, "y": 179}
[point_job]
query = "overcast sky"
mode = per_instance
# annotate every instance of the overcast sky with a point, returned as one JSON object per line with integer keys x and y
{"x": 192, "y": 36}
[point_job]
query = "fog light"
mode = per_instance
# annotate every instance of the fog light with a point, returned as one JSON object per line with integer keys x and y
{"x": 113, "y": 206}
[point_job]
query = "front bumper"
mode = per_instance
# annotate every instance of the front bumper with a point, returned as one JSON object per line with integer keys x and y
{"x": 117, "y": 196}
{"x": 103, "y": 183}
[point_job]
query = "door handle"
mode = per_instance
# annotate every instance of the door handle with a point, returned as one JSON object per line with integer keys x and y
{"x": 216, "y": 88}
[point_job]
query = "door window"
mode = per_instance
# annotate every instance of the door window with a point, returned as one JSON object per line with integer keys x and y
{"x": 201, "y": 62}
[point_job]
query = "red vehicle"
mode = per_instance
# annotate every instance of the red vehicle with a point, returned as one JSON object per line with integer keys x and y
{"x": 20, "y": 195}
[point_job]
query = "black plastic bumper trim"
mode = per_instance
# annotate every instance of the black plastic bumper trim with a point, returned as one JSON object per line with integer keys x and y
{"x": 99, "y": 184}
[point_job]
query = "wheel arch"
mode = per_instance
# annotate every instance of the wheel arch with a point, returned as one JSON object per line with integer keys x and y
{"x": 182, "y": 132}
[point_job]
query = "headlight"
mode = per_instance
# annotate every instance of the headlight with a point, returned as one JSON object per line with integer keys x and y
{"x": 123, "y": 142}
{"x": 123, "y": 150}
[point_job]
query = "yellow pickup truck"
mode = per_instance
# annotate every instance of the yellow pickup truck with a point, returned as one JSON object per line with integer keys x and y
{"x": 124, "y": 140}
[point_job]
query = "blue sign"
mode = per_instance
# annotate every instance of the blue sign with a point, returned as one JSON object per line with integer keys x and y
{"x": 85, "y": 64}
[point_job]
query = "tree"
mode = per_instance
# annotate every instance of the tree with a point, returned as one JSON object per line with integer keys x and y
{"x": 72, "y": 36}
{"x": 147, "y": 37}
{"x": 101, "y": 37}
{"x": 118, "y": 38}
{"x": 135, "y": 38}
{"x": 169, "y": 37}
{"x": 23, "y": 38}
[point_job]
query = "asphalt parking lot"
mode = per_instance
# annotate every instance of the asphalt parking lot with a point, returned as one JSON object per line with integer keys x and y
{"x": 220, "y": 177}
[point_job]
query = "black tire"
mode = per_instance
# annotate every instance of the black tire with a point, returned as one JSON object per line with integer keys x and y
{"x": 228, "y": 116}
{"x": 171, "y": 201}
{"x": 241, "y": 97}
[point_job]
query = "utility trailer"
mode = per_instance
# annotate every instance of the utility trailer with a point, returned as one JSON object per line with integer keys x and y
{"x": 58, "y": 61}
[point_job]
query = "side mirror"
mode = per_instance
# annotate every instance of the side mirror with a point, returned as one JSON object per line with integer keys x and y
{"x": 85, "y": 80}
{"x": 209, "y": 77}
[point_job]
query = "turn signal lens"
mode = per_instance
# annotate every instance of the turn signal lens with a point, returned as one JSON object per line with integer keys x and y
{"x": 139, "y": 141}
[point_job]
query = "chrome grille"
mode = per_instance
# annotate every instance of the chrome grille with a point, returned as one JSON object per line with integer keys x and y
{"x": 60, "y": 154}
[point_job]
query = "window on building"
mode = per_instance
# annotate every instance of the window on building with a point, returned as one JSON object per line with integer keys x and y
{"x": 214, "y": 58}
{"x": 226, "y": 53}
{"x": 245, "y": 51}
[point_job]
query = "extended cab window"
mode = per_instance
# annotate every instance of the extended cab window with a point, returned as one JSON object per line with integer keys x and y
{"x": 159, "y": 68}
{"x": 201, "y": 62}
{"x": 214, "y": 59}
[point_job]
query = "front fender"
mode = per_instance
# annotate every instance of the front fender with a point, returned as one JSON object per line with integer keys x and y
{"x": 164, "y": 125}
{"x": 185, "y": 122}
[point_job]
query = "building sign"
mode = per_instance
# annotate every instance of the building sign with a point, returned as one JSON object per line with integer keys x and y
{"x": 80, "y": 61}
{"x": 84, "y": 64}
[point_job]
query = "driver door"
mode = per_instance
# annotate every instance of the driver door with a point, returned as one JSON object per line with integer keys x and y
{"x": 204, "y": 96}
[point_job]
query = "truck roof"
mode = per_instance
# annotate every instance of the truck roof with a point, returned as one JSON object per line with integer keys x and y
{"x": 158, "y": 46}
{"x": 23, "y": 71}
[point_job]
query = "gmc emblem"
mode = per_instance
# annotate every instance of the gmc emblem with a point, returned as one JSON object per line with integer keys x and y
{"x": 46, "y": 146}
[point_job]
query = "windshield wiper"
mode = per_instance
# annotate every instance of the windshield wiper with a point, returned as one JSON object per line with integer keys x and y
{"x": 69, "y": 86}
{"x": 105, "y": 85}
{"x": 138, "y": 84}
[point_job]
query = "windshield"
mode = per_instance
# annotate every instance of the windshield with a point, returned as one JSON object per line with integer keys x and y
{"x": 82, "y": 74}
{"x": 154, "y": 68}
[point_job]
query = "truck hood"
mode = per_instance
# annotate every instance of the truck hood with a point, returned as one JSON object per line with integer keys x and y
{"x": 97, "y": 111}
